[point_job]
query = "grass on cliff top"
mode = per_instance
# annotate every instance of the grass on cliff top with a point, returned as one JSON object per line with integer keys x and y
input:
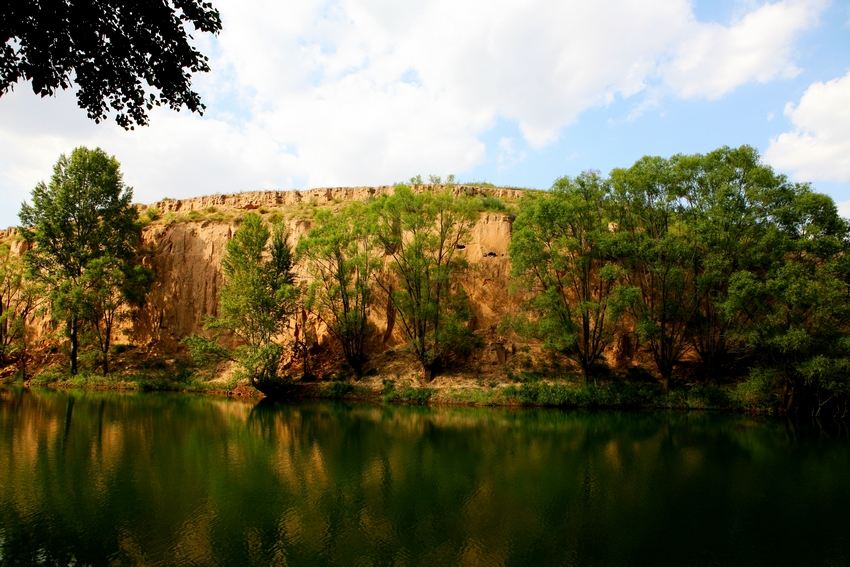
{"x": 303, "y": 210}
{"x": 153, "y": 216}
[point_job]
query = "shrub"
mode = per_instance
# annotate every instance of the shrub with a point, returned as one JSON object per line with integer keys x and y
{"x": 527, "y": 376}
{"x": 705, "y": 396}
{"x": 45, "y": 378}
{"x": 490, "y": 203}
{"x": 338, "y": 389}
{"x": 757, "y": 391}
{"x": 150, "y": 215}
{"x": 618, "y": 394}
{"x": 408, "y": 395}
{"x": 388, "y": 390}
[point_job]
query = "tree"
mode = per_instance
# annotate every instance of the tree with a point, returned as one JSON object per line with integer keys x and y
{"x": 18, "y": 301}
{"x": 795, "y": 313}
{"x": 422, "y": 233}
{"x": 257, "y": 302}
{"x": 561, "y": 247}
{"x": 108, "y": 285}
{"x": 657, "y": 256}
{"x": 342, "y": 260}
{"x": 83, "y": 215}
{"x": 729, "y": 202}
{"x": 123, "y": 56}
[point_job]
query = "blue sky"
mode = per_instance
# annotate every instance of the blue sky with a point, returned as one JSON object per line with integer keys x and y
{"x": 355, "y": 92}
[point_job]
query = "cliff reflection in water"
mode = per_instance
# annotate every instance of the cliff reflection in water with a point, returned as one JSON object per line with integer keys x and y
{"x": 168, "y": 479}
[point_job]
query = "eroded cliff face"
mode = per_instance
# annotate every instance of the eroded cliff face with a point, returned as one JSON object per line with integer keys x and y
{"x": 186, "y": 261}
{"x": 186, "y": 255}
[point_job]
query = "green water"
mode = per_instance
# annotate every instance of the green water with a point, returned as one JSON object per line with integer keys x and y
{"x": 182, "y": 480}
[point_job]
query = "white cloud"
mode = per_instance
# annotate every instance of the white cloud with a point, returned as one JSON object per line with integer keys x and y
{"x": 716, "y": 59}
{"x": 178, "y": 155}
{"x": 373, "y": 91}
{"x": 509, "y": 154}
{"x": 818, "y": 147}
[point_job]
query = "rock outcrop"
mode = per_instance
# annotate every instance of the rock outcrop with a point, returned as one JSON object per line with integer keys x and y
{"x": 186, "y": 255}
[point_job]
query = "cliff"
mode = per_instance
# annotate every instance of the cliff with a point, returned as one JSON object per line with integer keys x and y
{"x": 184, "y": 242}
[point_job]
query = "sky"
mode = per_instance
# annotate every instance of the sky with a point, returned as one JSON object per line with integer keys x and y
{"x": 320, "y": 93}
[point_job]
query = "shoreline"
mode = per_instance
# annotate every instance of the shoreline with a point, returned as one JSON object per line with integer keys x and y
{"x": 560, "y": 394}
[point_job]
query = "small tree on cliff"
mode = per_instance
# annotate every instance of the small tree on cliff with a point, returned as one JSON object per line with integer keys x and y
{"x": 342, "y": 260}
{"x": 108, "y": 285}
{"x": 422, "y": 234}
{"x": 257, "y": 302}
{"x": 83, "y": 215}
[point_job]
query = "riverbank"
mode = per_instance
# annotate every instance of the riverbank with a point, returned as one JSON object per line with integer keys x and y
{"x": 456, "y": 389}
{"x": 567, "y": 394}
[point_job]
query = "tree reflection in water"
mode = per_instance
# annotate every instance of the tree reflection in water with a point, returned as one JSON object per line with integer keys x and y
{"x": 170, "y": 479}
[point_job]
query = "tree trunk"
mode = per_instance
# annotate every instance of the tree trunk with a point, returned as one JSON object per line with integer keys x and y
{"x": 357, "y": 366}
{"x": 790, "y": 398}
{"x": 427, "y": 374}
{"x": 22, "y": 364}
{"x": 106, "y": 344}
{"x": 388, "y": 333}
{"x": 665, "y": 381}
{"x": 73, "y": 324}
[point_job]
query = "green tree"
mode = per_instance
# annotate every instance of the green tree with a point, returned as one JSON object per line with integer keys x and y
{"x": 84, "y": 214}
{"x": 422, "y": 234}
{"x": 795, "y": 312}
{"x": 730, "y": 200}
{"x": 561, "y": 248}
{"x": 657, "y": 255}
{"x": 108, "y": 286}
{"x": 122, "y": 56}
{"x": 342, "y": 261}
{"x": 257, "y": 302}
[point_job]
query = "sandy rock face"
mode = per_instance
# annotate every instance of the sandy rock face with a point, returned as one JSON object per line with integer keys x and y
{"x": 489, "y": 238}
{"x": 17, "y": 245}
{"x": 487, "y": 278}
{"x": 186, "y": 260}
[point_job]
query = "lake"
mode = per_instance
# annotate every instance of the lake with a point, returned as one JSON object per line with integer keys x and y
{"x": 155, "y": 479}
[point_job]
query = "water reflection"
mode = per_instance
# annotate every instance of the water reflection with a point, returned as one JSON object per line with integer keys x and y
{"x": 166, "y": 479}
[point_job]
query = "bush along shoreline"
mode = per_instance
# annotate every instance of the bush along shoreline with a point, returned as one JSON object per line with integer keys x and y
{"x": 568, "y": 393}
